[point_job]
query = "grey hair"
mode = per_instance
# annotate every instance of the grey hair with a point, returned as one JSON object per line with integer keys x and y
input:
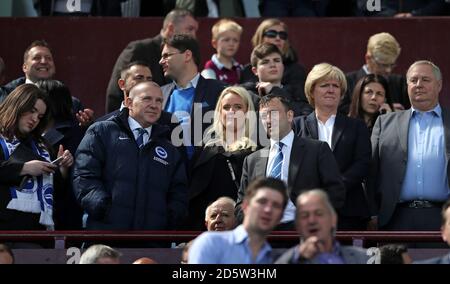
{"x": 436, "y": 71}
{"x": 96, "y": 252}
{"x": 322, "y": 195}
{"x": 225, "y": 199}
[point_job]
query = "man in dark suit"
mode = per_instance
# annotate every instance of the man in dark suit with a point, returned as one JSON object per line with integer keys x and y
{"x": 190, "y": 96}
{"x": 316, "y": 223}
{"x": 445, "y": 231}
{"x": 149, "y": 51}
{"x": 381, "y": 56}
{"x": 410, "y": 156}
{"x": 301, "y": 163}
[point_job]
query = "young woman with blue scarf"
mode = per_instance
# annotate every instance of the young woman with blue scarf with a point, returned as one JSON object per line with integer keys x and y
{"x": 27, "y": 175}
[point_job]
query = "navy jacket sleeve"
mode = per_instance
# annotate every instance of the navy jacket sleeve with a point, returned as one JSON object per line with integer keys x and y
{"x": 87, "y": 183}
{"x": 178, "y": 196}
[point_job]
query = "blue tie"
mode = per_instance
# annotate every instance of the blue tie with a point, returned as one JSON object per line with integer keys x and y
{"x": 277, "y": 163}
{"x": 140, "y": 138}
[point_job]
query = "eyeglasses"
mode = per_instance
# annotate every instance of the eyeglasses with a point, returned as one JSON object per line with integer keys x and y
{"x": 383, "y": 65}
{"x": 273, "y": 34}
{"x": 166, "y": 56}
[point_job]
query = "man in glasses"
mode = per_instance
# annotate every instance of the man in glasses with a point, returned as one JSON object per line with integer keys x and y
{"x": 148, "y": 50}
{"x": 190, "y": 96}
{"x": 380, "y": 59}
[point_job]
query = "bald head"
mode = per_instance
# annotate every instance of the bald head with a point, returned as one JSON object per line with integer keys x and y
{"x": 219, "y": 216}
{"x": 145, "y": 103}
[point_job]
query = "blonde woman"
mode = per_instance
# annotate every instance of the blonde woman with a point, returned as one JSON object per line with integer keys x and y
{"x": 347, "y": 137}
{"x": 217, "y": 171}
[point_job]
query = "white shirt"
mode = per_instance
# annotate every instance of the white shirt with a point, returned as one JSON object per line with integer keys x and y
{"x": 326, "y": 130}
{"x": 289, "y": 212}
{"x": 135, "y": 126}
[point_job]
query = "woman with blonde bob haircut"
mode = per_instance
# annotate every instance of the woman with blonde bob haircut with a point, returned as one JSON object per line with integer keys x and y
{"x": 323, "y": 72}
{"x": 347, "y": 137}
{"x": 218, "y": 169}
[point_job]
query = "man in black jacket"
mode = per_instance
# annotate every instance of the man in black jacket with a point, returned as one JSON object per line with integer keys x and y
{"x": 127, "y": 175}
{"x": 301, "y": 163}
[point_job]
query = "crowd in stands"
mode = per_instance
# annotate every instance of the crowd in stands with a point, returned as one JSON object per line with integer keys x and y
{"x": 245, "y": 149}
{"x": 232, "y": 8}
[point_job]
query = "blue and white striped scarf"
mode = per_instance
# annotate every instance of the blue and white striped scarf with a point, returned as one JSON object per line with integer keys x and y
{"x": 36, "y": 196}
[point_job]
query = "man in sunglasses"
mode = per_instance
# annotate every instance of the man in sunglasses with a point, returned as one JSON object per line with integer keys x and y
{"x": 380, "y": 59}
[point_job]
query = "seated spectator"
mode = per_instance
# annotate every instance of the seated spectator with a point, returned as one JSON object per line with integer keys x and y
{"x": 218, "y": 169}
{"x": 445, "y": 232}
{"x": 219, "y": 216}
{"x": 381, "y": 56}
{"x": 275, "y": 32}
{"x": 6, "y": 255}
{"x": 100, "y": 254}
{"x": 26, "y": 171}
{"x": 267, "y": 65}
{"x": 38, "y": 64}
{"x": 370, "y": 99}
{"x": 316, "y": 222}
{"x": 226, "y": 36}
{"x": 394, "y": 254}
{"x": 347, "y": 137}
{"x": 263, "y": 206}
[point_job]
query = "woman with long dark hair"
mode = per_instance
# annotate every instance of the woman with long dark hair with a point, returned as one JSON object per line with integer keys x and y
{"x": 370, "y": 99}
{"x": 26, "y": 168}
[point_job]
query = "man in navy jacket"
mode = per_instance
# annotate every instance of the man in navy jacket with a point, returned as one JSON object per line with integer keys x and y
{"x": 128, "y": 176}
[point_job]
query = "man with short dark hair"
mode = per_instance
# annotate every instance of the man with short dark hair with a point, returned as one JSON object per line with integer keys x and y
{"x": 190, "y": 96}
{"x": 148, "y": 50}
{"x": 263, "y": 205}
{"x": 267, "y": 65}
{"x": 394, "y": 254}
{"x": 300, "y": 162}
{"x": 38, "y": 64}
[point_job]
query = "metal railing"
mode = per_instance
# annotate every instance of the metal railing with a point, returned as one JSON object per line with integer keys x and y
{"x": 358, "y": 238}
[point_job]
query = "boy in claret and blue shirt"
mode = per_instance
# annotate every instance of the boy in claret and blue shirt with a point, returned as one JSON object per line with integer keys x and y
{"x": 226, "y": 36}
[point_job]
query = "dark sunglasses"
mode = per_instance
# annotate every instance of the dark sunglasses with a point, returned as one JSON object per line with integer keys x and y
{"x": 273, "y": 34}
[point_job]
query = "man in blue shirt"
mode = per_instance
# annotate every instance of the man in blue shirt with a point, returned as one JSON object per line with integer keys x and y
{"x": 316, "y": 222}
{"x": 410, "y": 154}
{"x": 263, "y": 206}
